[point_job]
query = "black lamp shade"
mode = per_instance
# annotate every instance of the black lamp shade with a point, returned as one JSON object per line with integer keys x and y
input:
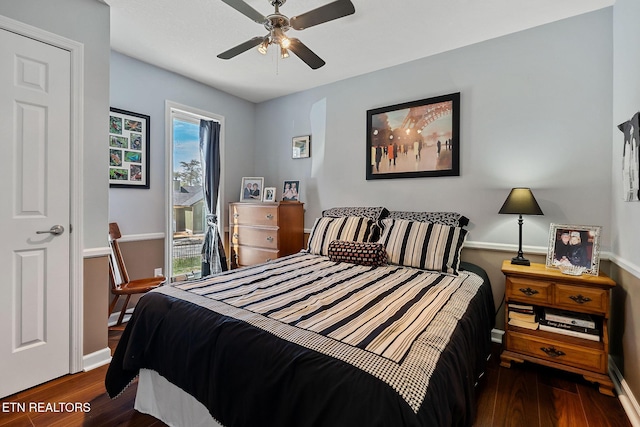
{"x": 521, "y": 201}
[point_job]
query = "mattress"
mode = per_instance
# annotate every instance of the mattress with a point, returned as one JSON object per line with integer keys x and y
{"x": 306, "y": 341}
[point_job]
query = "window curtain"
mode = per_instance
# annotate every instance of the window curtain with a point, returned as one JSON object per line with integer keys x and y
{"x": 213, "y": 257}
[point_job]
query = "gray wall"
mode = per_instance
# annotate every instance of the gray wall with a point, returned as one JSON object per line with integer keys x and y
{"x": 142, "y": 88}
{"x": 535, "y": 111}
{"x": 625, "y": 215}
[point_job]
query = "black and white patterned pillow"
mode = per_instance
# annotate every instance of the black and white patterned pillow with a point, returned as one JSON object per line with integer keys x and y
{"x": 452, "y": 219}
{"x": 423, "y": 245}
{"x": 375, "y": 213}
{"x": 327, "y": 229}
{"x": 361, "y": 253}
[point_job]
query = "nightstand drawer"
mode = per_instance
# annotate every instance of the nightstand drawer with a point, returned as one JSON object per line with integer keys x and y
{"x": 558, "y": 351}
{"x": 248, "y": 214}
{"x": 535, "y": 291}
{"x": 251, "y": 236}
{"x": 582, "y": 298}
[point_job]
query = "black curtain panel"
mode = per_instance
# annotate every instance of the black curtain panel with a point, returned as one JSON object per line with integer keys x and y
{"x": 213, "y": 257}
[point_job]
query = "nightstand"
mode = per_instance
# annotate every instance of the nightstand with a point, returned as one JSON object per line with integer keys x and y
{"x": 542, "y": 287}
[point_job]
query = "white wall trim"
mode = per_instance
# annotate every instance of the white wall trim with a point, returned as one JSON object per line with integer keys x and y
{"x": 96, "y": 359}
{"x": 76, "y": 51}
{"x": 497, "y": 335}
{"x": 96, "y": 252}
{"x": 626, "y": 265}
{"x": 141, "y": 237}
{"x": 627, "y": 399}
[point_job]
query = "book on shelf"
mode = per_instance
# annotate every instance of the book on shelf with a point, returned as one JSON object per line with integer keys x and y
{"x": 522, "y": 316}
{"x": 523, "y": 324}
{"x": 569, "y": 317}
{"x": 567, "y": 326}
{"x": 569, "y": 332}
{"x": 521, "y": 308}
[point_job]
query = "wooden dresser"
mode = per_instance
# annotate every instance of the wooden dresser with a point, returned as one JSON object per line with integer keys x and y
{"x": 261, "y": 232}
{"x": 546, "y": 287}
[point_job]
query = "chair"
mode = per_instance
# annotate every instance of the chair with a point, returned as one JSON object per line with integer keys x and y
{"x": 120, "y": 282}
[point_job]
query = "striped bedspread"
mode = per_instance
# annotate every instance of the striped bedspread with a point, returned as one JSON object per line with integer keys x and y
{"x": 392, "y": 322}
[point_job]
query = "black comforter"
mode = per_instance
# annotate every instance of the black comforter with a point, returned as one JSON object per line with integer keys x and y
{"x": 250, "y": 376}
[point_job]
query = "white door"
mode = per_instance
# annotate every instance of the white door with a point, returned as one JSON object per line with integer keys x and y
{"x": 35, "y": 83}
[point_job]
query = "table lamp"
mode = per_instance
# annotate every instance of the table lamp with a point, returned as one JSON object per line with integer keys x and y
{"x": 520, "y": 201}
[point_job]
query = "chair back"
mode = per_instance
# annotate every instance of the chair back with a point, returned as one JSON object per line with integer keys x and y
{"x": 117, "y": 269}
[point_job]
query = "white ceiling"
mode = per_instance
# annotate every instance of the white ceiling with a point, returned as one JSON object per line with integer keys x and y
{"x": 184, "y": 36}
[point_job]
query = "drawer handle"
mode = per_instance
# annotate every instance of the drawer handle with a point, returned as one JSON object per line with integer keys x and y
{"x": 552, "y": 352}
{"x": 235, "y": 235}
{"x": 528, "y": 292}
{"x": 268, "y": 259}
{"x": 236, "y": 215}
{"x": 269, "y": 239}
{"x": 269, "y": 216}
{"x": 580, "y": 299}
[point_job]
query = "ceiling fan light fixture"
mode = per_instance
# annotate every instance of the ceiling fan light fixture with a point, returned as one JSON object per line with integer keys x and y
{"x": 284, "y": 53}
{"x": 285, "y": 42}
{"x": 262, "y": 47}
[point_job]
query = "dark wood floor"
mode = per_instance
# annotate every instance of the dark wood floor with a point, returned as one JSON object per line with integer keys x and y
{"x": 525, "y": 395}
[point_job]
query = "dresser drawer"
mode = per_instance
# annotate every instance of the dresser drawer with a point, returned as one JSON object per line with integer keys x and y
{"x": 534, "y": 291}
{"x": 254, "y": 215}
{"x": 558, "y": 351}
{"x": 249, "y": 255}
{"x": 251, "y": 236}
{"x": 582, "y": 298}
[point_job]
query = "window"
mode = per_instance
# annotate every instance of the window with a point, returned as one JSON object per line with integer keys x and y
{"x": 186, "y": 212}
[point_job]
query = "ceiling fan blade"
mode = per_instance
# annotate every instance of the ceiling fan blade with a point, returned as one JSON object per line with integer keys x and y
{"x": 306, "y": 54}
{"x": 243, "y": 47}
{"x": 246, "y": 10}
{"x": 325, "y": 13}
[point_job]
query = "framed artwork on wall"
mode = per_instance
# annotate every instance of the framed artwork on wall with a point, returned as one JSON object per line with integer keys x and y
{"x": 574, "y": 249}
{"x": 301, "y": 147}
{"x": 128, "y": 149}
{"x": 251, "y": 190}
{"x": 414, "y": 139}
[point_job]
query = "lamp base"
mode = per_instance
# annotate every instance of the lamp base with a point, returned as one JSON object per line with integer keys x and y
{"x": 520, "y": 261}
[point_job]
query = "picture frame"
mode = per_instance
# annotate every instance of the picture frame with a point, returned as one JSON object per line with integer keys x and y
{"x": 129, "y": 146}
{"x": 251, "y": 189}
{"x": 414, "y": 139}
{"x": 269, "y": 194}
{"x": 291, "y": 191}
{"x": 301, "y": 147}
{"x": 574, "y": 248}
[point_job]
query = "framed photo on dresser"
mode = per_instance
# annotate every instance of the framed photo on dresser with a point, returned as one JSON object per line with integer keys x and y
{"x": 251, "y": 190}
{"x": 574, "y": 248}
{"x": 291, "y": 191}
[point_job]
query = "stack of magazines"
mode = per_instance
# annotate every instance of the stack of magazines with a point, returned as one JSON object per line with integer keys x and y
{"x": 569, "y": 323}
{"x": 523, "y": 316}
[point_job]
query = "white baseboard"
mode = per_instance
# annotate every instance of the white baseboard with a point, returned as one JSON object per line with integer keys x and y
{"x": 96, "y": 359}
{"x": 496, "y": 335}
{"x": 627, "y": 399}
{"x": 113, "y": 319}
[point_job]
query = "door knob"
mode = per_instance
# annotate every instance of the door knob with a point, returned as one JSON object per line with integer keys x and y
{"x": 56, "y": 230}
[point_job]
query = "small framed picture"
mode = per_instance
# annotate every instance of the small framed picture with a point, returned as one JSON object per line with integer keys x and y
{"x": 269, "y": 194}
{"x": 251, "y": 190}
{"x": 291, "y": 191}
{"x": 574, "y": 248}
{"x": 301, "y": 146}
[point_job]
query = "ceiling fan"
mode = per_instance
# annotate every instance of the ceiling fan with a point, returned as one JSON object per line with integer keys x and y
{"x": 277, "y": 25}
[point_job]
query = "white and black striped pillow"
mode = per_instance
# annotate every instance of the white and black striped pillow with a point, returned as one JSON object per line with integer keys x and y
{"x": 326, "y": 229}
{"x": 423, "y": 244}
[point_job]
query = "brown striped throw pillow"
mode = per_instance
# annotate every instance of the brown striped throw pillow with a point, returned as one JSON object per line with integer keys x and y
{"x": 423, "y": 244}
{"x": 361, "y": 253}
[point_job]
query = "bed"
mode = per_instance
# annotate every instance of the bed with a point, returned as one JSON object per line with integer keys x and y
{"x": 348, "y": 332}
